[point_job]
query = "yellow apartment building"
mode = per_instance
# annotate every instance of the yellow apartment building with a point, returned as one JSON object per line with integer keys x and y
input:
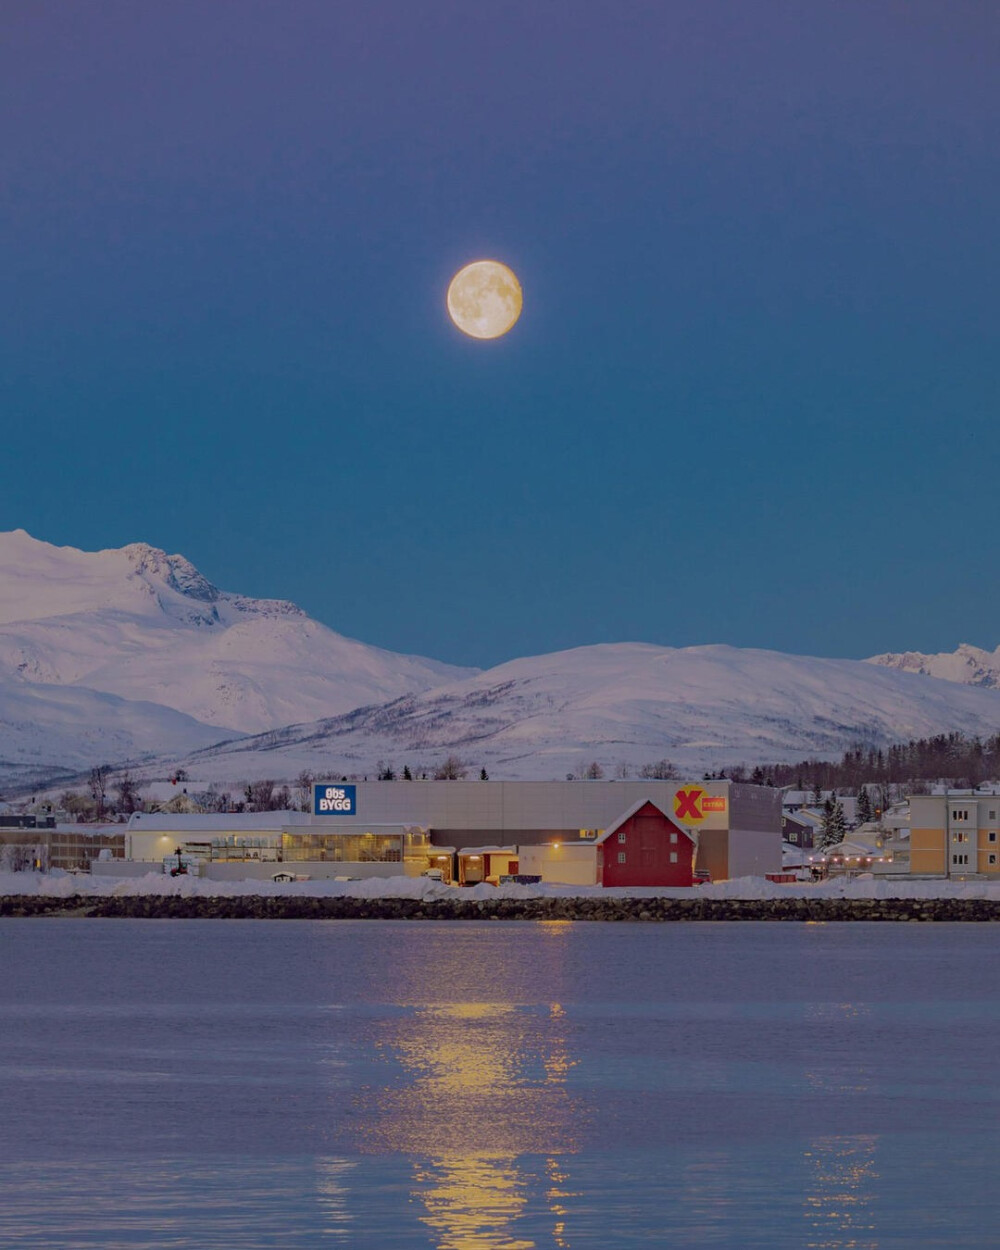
{"x": 956, "y": 834}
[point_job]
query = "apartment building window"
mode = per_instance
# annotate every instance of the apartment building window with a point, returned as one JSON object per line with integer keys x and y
{"x": 621, "y": 857}
{"x": 959, "y": 837}
{"x": 991, "y": 836}
{"x": 991, "y": 859}
{"x": 993, "y": 813}
{"x": 958, "y": 860}
{"x": 959, "y": 813}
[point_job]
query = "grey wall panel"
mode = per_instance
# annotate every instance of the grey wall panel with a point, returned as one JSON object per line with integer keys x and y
{"x": 754, "y": 852}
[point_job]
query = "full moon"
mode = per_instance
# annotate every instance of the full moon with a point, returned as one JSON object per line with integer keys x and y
{"x": 484, "y": 299}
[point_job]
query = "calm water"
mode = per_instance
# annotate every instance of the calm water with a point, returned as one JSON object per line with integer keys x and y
{"x": 255, "y": 1084}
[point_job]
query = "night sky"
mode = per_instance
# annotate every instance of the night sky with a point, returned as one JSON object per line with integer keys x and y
{"x": 752, "y": 397}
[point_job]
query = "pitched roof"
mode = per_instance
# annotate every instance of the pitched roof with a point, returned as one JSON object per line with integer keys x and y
{"x": 627, "y": 815}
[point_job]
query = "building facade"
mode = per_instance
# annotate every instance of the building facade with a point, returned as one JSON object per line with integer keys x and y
{"x": 646, "y": 847}
{"x": 49, "y": 844}
{"x": 956, "y": 834}
{"x": 472, "y": 831}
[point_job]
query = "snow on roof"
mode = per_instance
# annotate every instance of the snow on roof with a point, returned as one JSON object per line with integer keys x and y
{"x": 216, "y": 822}
{"x": 627, "y": 815}
{"x": 851, "y": 849}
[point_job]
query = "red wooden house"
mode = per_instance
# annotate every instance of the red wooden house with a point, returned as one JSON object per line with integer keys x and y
{"x": 645, "y": 847}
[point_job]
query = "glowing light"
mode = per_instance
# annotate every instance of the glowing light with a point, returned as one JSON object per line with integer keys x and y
{"x": 484, "y": 299}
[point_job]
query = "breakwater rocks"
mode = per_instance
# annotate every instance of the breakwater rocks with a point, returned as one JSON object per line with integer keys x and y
{"x": 258, "y": 907}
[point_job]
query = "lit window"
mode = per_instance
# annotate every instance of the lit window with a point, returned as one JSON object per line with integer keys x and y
{"x": 621, "y": 857}
{"x": 673, "y": 857}
{"x": 621, "y": 837}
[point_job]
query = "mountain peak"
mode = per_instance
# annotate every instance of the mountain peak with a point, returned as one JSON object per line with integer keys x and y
{"x": 143, "y": 625}
{"x": 177, "y": 572}
{"x": 967, "y": 665}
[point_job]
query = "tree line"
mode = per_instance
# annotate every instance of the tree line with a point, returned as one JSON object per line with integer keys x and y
{"x": 956, "y": 759}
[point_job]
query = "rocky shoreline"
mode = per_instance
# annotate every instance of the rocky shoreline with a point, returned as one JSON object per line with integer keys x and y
{"x": 257, "y": 907}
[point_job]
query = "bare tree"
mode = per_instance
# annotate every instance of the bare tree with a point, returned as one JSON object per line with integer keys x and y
{"x": 258, "y": 795}
{"x": 304, "y": 783}
{"x": 210, "y": 800}
{"x": 662, "y": 770}
{"x": 127, "y": 789}
{"x": 99, "y": 776}
{"x": 17, "y": 857}
{"x": 82, "y": 806}
{"x": 593, "y": 771}
{"x": 261, "y": 796}
{"x": 450, "y": 769}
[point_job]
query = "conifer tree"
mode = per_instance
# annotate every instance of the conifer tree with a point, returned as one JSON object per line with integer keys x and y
{"x": 827, "y": 835}
{"x": 838, "y": 822}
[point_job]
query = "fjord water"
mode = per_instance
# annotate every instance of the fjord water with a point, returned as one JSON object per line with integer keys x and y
{"x": 488, "y": 1085}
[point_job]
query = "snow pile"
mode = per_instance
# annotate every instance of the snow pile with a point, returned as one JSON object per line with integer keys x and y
{"x": 59, "y": 884}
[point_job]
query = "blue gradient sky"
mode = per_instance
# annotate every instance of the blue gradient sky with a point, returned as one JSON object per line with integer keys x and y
{"x": 753, "y": 396}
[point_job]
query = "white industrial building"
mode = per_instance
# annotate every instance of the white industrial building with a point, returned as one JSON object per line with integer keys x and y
{"x": 469, "y": 830}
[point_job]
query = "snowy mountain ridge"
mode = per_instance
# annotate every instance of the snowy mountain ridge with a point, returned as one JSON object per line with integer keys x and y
{"x": 149, "y": 628}
{"x": 967, "y": 665}
{"x": 623, "y": 705}
{"x": 130, "y": 652}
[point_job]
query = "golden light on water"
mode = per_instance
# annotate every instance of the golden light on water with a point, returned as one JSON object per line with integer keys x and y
{"x": 840, "y": 1209}
{"x": 488, "y": 1086}
{"x": 484, "y": 299}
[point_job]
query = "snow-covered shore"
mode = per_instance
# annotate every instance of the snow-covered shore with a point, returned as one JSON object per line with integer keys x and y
{"x": 57, "y": 884}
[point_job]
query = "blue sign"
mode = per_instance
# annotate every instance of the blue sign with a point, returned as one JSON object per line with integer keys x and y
{"x": 334, "y": 799}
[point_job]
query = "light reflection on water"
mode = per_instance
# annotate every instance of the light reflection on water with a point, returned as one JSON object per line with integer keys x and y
{"x": 489, "y": 1081}
{"x": 496, "y": 1087}
{"x": 840, "y": 1207}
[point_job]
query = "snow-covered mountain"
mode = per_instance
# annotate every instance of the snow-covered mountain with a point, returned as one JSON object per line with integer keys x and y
{"x": 970, "y": 666}
{"x": 147, "y": 627}
{"x": 118, "y": 654}
{"x": 627, "y": 703}
{"x": 47, "y": 730}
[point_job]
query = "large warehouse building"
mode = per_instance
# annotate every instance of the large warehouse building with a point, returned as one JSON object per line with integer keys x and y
{"x": 578, "y": 832}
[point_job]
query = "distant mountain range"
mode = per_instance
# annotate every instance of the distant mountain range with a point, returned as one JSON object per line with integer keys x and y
{"x": 970, "y": 666}
{"x": 133, "y": 654}
{"x": 624, "y": 704}
{"x": 187, "y": 663}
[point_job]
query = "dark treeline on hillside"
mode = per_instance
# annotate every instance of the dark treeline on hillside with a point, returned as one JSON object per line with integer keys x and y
{"x": 960, "y": 761}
